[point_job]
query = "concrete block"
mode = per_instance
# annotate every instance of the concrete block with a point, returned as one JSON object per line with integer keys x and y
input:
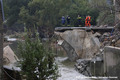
{"x": 112, "y": 61}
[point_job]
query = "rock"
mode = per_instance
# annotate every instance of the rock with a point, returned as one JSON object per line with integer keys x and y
{"x": 117, "y": 44}
{"x": 106, "y": 34}
{"x": 97, "y": 34}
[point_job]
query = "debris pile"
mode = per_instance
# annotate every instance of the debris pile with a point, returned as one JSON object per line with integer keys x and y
{"x": 87, "y": 66}
{"x": 106, "y": 39}
{"x": 109, "y": 38}
{"x": 82, "y": 66}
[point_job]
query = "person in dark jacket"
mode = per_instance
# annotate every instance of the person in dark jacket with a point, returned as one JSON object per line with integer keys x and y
{"x": 79, "y": 20}
{"x": 63, "y": 21}
{"x": 68, "y": 20}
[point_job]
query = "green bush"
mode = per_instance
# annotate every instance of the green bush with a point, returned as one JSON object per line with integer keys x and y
{"x": 37, "y": 62}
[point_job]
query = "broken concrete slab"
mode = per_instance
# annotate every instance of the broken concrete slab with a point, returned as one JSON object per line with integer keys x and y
{"x": 69, "y": 50}
{"x": 84, "y": 44}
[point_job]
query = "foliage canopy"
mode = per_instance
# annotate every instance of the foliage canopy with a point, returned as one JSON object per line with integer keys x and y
{"x": 47, "y": 13}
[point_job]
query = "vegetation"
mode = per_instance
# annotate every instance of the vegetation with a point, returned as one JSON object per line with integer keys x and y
{"x": 37, "y": 61}
{"x": 106, "y": 12}
{"x": 47, "y": 13}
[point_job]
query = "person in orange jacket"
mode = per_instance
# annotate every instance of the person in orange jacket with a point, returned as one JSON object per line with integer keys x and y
{"x": 87, "y": 21}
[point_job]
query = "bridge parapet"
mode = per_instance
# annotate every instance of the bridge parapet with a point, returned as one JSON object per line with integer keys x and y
{"x": 96, "y": 29}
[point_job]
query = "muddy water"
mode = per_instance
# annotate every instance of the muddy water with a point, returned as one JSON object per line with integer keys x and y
{"x": 67, "y": 70}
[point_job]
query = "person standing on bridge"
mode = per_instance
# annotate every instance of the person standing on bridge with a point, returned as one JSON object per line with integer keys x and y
{"x": 87, "y": 21}
{"x": 79, "y": 20}
{"x": 68, "y": 20}
{"x": 63, "y": 21}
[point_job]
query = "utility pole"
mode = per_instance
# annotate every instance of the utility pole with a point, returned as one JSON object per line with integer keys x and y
{"x": 1, "y": 39}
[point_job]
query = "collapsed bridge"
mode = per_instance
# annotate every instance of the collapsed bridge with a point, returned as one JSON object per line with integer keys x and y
{"x": 80, "y": 42}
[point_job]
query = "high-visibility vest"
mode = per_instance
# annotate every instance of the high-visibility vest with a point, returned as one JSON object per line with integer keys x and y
{"x": 88, "y": 18}
{"x": 68, "y": 17}
{"x": 78, "y": 17}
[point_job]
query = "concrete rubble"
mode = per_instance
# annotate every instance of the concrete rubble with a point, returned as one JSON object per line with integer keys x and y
{"x": 92, "y": 54}
{"x": 82, "y": 66}
{"x": 106, "y": 61}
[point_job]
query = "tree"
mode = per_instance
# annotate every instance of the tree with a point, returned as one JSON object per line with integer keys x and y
{"x": 37, "y": 62}
{"x": 12, "y": 9}
{"x": 48, "y": 13}
{"x": 106, "y": 12}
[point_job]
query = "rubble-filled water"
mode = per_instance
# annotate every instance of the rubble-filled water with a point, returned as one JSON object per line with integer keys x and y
{"x": 67, "y": 70}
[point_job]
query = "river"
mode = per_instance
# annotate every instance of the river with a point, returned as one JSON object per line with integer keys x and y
{"x": 67, "y": 70}
{"x": 65, "y": 66}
